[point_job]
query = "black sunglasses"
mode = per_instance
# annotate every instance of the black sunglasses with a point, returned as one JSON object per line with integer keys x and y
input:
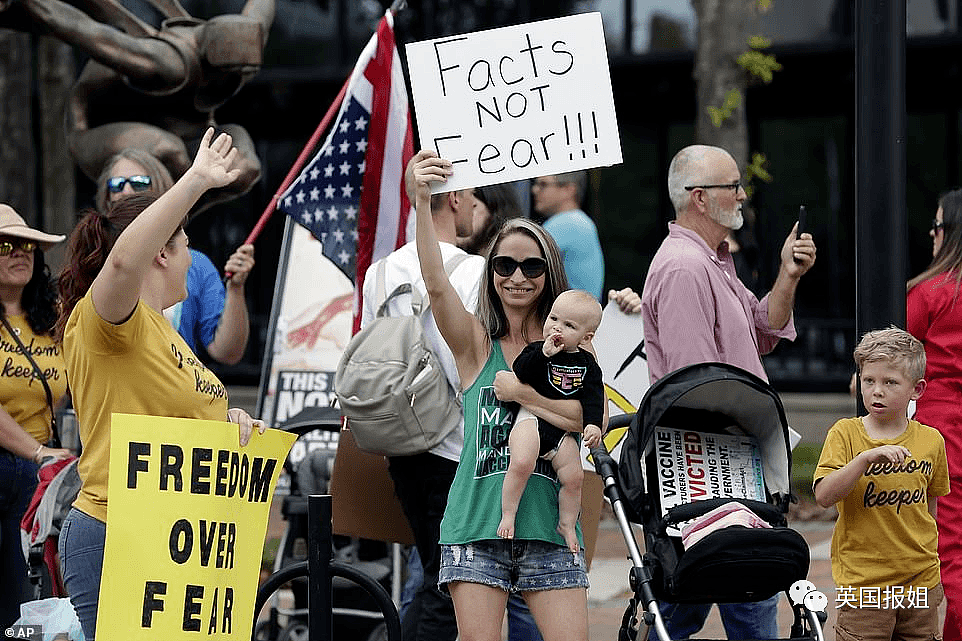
{"x": 115, "y": 184}
{"x": 530, "y": 267}
{"x": 936, "y": 225}
{"x": 7, "y": 246}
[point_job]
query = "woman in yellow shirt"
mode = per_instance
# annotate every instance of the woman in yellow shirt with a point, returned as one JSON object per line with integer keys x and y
{"x": 28, "y": 305}
{"x": 124, "y": 267}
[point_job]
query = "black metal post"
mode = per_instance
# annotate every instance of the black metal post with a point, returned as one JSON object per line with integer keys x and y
{"x": 320, "y": 617}
{"x": 881, "y": 263}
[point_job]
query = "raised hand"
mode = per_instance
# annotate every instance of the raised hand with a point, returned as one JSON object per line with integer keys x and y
{"x": 424, "y": 168}
{"x": 214, "y": 163}
{"x": 801, "y": 250}
{"x": 239, "y": 265}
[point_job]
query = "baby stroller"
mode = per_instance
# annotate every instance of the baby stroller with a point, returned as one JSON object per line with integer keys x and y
{"x": 703, "y": 437}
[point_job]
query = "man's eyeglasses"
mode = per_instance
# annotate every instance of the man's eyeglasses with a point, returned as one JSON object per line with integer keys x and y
{"x": 937, "y": 225}
{"x": 115, "y": 184}
{"x": 530, "y": 267}
{"x": 735, "y": 186}
{"x": 7, "y": 246}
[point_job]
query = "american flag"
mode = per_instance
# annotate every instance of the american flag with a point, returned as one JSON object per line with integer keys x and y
{"x": 351, "y": 194}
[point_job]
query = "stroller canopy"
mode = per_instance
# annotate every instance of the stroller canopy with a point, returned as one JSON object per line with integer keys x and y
{"x": 748, "y": 401}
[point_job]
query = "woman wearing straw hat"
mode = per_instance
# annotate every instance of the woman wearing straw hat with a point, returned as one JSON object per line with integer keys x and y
{"x": 28, "y": 313}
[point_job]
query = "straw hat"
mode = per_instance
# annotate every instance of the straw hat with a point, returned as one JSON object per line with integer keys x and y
{"x": 12, "y": 224}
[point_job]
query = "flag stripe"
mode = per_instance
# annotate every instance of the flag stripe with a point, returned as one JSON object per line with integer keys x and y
{"x": 408, "y": 152}
{"x": 351, "y": 195}
{"x": 378, "y": 73}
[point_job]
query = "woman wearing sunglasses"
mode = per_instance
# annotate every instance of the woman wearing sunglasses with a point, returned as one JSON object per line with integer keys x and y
{"x": 934, "y": 316}
{"x": 124, "y": 267}
{"x": 212, "y": 315}
{"x": 523, "y": 276}
{"x": 27, "y": 316}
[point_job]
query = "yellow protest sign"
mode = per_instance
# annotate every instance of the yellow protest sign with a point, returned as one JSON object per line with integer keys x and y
{"x": 186, "y": 520}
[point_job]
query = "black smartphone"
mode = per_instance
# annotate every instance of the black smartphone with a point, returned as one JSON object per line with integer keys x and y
{"x": 801, "y": 226}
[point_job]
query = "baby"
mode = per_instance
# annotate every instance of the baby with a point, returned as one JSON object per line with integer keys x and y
{"x": 559, "y": 367}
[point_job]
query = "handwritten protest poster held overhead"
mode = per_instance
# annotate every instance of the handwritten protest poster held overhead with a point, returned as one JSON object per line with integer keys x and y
{"x": 516, "y": 102}
{"x": 186, "y": 523}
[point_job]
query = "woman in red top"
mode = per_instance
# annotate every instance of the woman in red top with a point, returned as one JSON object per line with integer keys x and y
{"x": 934, "y": 316}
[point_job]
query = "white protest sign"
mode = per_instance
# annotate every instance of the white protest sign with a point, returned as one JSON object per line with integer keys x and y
{"x": 694, "y": 466}
{"x": 516, "y": 102}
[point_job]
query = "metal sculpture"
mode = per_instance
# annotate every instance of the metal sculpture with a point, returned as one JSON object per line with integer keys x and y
{"x": 154, "y": 89}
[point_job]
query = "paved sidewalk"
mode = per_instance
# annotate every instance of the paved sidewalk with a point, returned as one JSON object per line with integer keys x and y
{"x": 609, "y": 593}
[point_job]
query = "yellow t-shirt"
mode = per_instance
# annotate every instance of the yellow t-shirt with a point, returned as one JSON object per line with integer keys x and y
{"x": 21, "y": 391}
{"x": 141, "y": 366}
{"x": 885, "y": 535}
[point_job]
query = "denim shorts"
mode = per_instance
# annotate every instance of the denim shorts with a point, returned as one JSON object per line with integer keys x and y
{"x": 513, "y": 565}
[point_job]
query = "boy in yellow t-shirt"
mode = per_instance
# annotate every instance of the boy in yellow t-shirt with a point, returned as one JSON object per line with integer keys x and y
{"x": 886, "y": 473}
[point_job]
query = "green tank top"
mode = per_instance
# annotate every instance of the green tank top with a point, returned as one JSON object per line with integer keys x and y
{"x": 474, "y": 502}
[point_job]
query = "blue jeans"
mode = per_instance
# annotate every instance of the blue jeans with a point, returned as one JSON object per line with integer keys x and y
{"x": 741, "y": 620}
{"x": 18, "y": 480}
{"x": 513, "y": 565}
{"x": 521, "y": 625}
{"x": 81, "y": 564}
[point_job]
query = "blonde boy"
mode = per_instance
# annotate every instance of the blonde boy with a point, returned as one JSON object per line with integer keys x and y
{"x": 558, "y": 367}
{"x": 886, "y": 473}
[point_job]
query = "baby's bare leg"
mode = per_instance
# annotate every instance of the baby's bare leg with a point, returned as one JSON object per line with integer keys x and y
{"x": 524, "y": 444}
{"x": 567, "y": 463}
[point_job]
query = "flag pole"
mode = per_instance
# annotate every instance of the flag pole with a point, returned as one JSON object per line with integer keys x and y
{"x": 298, "y": 164}
{"x": 396, "y": 6}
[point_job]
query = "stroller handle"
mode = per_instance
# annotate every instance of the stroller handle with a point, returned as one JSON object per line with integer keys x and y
{"x": 604, "y": 464}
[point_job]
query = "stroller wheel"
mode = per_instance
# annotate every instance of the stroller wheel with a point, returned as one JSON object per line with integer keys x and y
{"x": 296, "y": 631}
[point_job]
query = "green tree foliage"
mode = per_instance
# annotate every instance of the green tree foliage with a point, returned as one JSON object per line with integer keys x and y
{"x": 756, "y": 62}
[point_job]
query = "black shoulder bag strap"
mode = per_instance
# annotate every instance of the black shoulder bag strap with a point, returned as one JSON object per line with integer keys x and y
{"x": 55, "y": 440}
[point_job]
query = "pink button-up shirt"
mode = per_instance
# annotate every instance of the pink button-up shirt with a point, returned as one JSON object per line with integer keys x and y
{"x": 696, "y": 310}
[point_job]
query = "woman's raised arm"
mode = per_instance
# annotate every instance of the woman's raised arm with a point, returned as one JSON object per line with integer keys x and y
{"x": 117, "y": 287}
{"x": 460, "y": 328}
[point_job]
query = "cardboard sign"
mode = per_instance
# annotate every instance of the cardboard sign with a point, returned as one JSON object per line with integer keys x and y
{"x": 186, "y": 523}
{"x": 694, "y": 466}
{"x": 516, "y": 102}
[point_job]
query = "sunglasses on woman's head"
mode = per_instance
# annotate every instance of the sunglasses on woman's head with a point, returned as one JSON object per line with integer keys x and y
{"x": 115, "y": 184}
{"x": 530, "y": 267}
{"x": 7, "y": 246}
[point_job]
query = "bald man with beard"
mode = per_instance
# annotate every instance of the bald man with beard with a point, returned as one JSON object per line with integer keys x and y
{"x": 696, "y": 310}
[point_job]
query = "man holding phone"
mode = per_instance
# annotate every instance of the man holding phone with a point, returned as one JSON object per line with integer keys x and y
{"x": 695, "y": 310}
